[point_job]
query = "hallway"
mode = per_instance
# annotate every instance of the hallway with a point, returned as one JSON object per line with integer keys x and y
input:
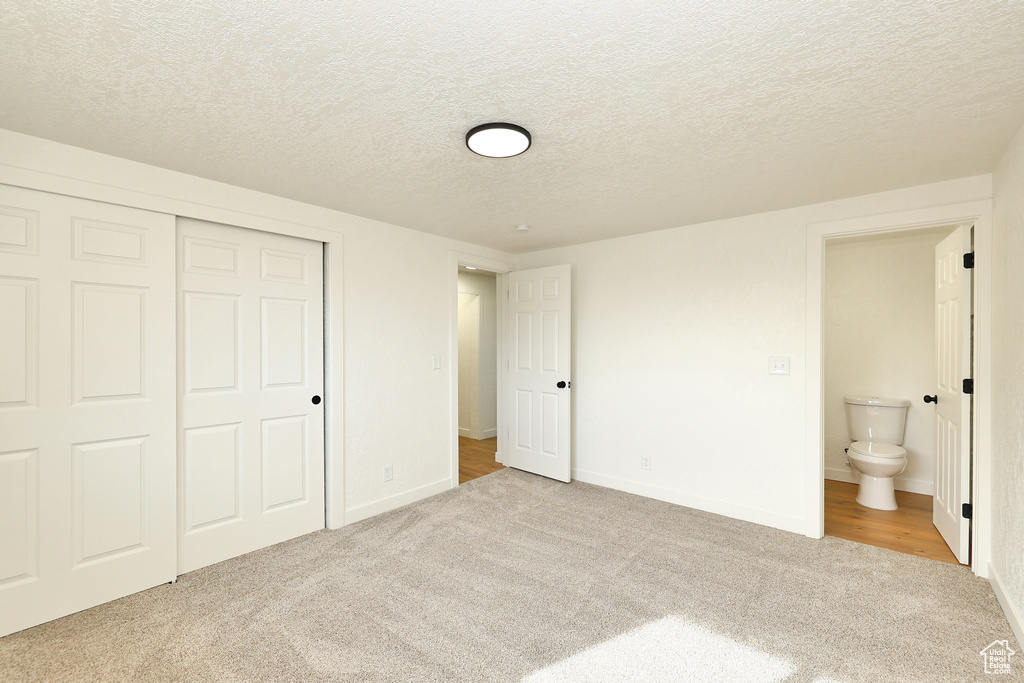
{"x": 476, "y": 458}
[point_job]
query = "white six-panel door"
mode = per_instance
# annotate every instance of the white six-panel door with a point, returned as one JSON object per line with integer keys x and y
{"x": 87, "y": 414}
{"x": 540, "y": 309}
{"x": 251, "y": 460}
{"x": 953, "y": 410}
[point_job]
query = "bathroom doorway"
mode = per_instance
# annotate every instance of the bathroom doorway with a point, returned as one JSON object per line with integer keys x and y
{"x": 477, "y": 372}
{"x": 878, "y": 339}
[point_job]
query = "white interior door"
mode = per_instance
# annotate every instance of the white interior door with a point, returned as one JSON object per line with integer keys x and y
{"x": 953, "y": 410}
{"x": 540, "y": 330}
{"x": 87, "y": 471}
{"x": 251, "y": 442}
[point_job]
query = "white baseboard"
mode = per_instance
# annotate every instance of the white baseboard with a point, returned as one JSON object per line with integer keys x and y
{"x": 485, "y": 434}
{"x": 914, "y": 485}
{"x": 794, "y": 524}
{"x": 839, "y": 474}
{"x": 396, "y": 501}
{"x": 900, "y": 483}
{"x": 1011, "y": 611}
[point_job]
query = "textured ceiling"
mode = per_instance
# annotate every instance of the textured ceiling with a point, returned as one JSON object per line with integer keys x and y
{"x": 644, "y": 114}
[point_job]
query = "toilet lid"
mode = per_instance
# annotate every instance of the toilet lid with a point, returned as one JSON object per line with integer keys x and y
{"x": 878, "y": 450}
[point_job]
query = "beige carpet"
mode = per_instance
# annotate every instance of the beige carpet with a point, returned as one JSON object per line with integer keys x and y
{"x": 514, "y": 577}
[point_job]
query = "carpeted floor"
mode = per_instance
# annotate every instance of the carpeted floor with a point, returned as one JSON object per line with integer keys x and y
{"x": 514, "y": 577}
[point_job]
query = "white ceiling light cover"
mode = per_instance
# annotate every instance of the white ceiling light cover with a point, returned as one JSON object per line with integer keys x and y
{"x": 498, "y": 140}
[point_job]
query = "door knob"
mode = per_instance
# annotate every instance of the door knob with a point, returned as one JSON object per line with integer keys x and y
{"x": 931, "y": 399}
{"x": 562, "y": 384}
{"x": 316, "y": 400}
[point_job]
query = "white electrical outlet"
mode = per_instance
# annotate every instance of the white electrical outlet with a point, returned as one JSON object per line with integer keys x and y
{"x": 645, "y": 462}
{"x": 778, "y": 365}
{"x": 388, "y": 473}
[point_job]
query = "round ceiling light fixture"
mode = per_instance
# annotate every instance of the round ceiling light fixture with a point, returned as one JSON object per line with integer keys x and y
{"x": 498, "y": 140}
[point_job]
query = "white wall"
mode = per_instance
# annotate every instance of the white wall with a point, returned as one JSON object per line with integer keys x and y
{"x": 672, "y": 334}
{"x": 879, "y": 340}
{"x": 469, "y": 363}
{"x": 394, "y": 311}
{"x": 1007, "y": 566}
{"x": 397, "y": 407}
{"x": 479, "y": 400}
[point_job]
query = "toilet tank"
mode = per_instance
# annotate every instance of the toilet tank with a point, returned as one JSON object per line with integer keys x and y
{"x": 870, "y": 418}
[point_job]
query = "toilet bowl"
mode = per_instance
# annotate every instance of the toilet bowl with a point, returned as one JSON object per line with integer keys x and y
{"x": 877, "y": 463}
{"x": 876, "y": 427}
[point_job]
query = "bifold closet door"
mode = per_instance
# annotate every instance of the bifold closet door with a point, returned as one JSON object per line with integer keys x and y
{"x": 87, "y": 404}
{"x": 251, "y": 460}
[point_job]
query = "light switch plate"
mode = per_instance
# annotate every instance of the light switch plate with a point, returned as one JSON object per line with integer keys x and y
{"x": 778, "y": 365}
{"x": 437, "y": 361}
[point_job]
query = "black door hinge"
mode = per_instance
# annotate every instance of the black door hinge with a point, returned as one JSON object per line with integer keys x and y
{"x": 967, "y": 511}
{"x": 968, "y": 386}
{"x": 969, "y": 260}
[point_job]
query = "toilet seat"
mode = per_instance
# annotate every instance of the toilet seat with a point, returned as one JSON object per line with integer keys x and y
{"x": 878, "y": 450}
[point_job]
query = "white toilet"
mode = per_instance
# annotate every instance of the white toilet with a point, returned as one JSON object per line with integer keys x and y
{"x": 876, "y": 427}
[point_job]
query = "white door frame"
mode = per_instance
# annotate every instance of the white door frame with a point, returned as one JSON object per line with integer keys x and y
{"x": 979, "y": 213}
{"x": 80, "y": 173}
{"x": 501, "y": 269}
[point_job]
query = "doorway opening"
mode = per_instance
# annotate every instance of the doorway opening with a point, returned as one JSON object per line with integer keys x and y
{"x": 477, "y": 373}
{"x": 879, "y": 341}
{"x": 533, "y": 358}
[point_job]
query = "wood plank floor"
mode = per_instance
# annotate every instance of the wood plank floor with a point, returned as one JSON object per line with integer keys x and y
{"x": 907, "y": 530}
{"x": 476, "y": 458}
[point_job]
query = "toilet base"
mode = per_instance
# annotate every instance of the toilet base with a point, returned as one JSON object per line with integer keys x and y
{"x": 877, "y": 493}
